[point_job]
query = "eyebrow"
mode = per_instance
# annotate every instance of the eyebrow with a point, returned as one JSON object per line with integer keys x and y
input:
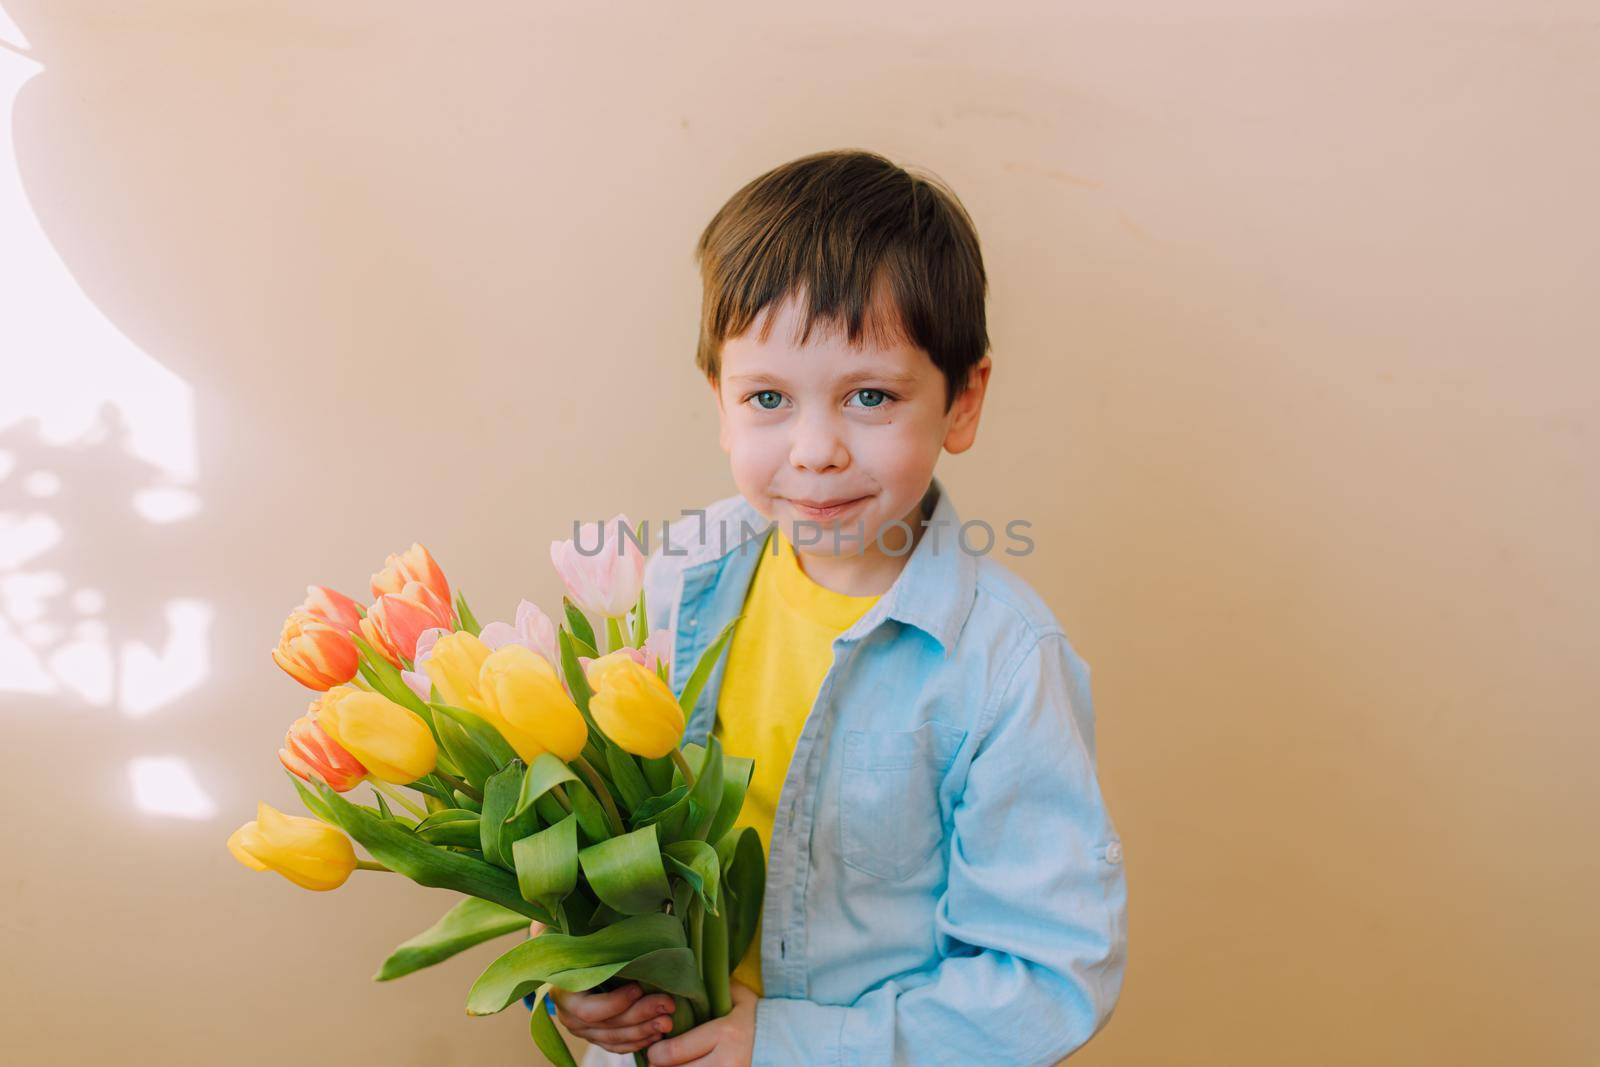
{"x": 886, "y": 376}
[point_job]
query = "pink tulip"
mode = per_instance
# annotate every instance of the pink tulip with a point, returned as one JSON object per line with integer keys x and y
{"x": 533, "y": 630}
{"x": 605, "y": 583}
{"x": 657, "y": 650}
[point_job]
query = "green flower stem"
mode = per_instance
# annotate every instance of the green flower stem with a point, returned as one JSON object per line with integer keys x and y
{"x": 368, "y": 865}
{"x": 361, "y": 683}
{"x": 395, "y": 795}
{"x": 598, "y": 784}
{"x": 683, "y": 765}
{"x": 561, "y": 797}
{"x": 457, "y": 784}
{"x": 613, "y": 633}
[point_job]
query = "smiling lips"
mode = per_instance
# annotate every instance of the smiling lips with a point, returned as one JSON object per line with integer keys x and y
{"x": 825, "y": 508}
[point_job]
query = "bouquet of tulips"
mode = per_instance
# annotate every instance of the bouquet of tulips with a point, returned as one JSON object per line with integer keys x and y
{"x": 517, "y": 765}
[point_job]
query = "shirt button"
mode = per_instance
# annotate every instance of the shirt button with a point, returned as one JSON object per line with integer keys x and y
{"x": 1114, "y": 852}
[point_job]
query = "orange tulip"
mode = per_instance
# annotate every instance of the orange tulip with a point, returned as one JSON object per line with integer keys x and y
{"x": 395, "y": 622}
{"x": 311, "y": 754}
{"x": 413, "y": 565}
{"x": 332, "y": 607}
{"x": 315, "y": 653}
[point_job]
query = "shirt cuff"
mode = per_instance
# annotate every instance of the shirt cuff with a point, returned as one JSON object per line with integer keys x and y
{"x": 798, "y": 1031}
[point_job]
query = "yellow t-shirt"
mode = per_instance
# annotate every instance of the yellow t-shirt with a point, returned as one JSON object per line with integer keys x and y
{"x": 779, "y": 656}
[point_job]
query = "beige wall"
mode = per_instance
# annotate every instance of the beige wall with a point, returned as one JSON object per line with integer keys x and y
{"x": 1295, "y": 345}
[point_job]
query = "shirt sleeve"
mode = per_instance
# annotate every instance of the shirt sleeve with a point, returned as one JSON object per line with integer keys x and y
{"x": 1031, "y": 926}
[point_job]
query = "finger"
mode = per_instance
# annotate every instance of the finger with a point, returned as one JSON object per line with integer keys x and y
{"x": 741, "y": 992}
{"x": 643, "y": 1010}
{"x": 689, "y": 1045}
{"x": 535, "y": 928}
{"x": 642, "y": 1034}
{"x": 596, "y": 1007}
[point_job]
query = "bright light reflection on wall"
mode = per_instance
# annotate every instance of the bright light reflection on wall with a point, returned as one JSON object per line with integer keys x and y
{"x": 97, "y": 460}
{"x": 164, "y": 785}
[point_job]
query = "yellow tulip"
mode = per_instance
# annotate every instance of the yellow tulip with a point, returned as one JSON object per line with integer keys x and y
{"x": 392, "y": 742}
{"x": 309, "y": 853}
{"x": 453, "y": 664}
{"x": 634, "y": 706}
{"x": 520, "y": 688}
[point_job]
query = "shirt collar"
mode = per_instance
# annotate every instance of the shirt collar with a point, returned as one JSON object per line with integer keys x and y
{"x": 933, "y": 592}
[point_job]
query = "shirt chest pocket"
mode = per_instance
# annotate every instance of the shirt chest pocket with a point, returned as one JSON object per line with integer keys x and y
{"x": 889, "y": 818}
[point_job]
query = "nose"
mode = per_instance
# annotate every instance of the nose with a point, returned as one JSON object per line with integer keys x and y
{"x": 817, "y": 445}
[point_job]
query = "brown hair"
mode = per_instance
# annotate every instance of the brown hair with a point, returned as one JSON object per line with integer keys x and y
{"x": 835, "y": 228}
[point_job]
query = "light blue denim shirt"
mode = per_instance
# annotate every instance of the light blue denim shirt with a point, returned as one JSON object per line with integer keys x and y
{"x": 945, "y": 884}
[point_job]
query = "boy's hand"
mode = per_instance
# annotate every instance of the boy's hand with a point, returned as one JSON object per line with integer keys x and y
{"x": 725, "y": 1042}
{"x": 622, "y": 1020}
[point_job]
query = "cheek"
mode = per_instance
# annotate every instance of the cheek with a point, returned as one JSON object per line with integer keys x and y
{"x": 899, "y": 453}
{"x": 754, "y": 456}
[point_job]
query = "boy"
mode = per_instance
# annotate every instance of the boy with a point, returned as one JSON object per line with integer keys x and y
{"x": 944, "y": 883}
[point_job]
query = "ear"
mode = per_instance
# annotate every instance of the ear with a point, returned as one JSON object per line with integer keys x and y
{"x": 963, "y": 425}
{"x": 722, "y": 415}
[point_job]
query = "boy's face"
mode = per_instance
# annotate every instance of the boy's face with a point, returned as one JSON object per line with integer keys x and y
{"x": 827, "y": 424}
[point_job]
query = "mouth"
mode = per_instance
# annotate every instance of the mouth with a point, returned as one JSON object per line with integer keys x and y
{"x": 822, "y": 509}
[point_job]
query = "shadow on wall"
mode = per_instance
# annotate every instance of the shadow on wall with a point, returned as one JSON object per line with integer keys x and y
{"x": 97, "y": 448}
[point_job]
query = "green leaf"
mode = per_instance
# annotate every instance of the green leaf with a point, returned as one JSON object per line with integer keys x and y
{"x": 706, "y": 796}
{"x": 641, "y": 622}
{"x": 682, "y": 893}
{"x": 486, "y": 737}
{"x": 715, "y": 967}
{"x": 544, "y": 774}
{"x": 702, "y": 670}
{"x": 468, "y": 758}
{"x": 671, "y": 970}
{"x": 311, "y": 800}
{"x": 696, "y": 863}
{"x": 585, "y": 961}
{"x": 578, "y": 622}
{"x": 468, "y": 622}
{"x": 402, "y": 851}
{"x": 577, "y": 681}
{"x": 546, "y": 1036}
{"x": 591, "y": 816}
{"x": 547, "y": 863}
{"x": 469, "y": 923}
{"x": 658, "y": 773}
{"x": 632, "y": 789}
{"x": 434, "y": 786}
{"x": 452, "y": 826}
{"x": 744, "y": 880}
{"x": 499, "y": 798}
{"x": 653, "y": 807}
{"x": 736, "y": 771}
{"x": 550, "y": 810}
{"x": 626, "y": 872}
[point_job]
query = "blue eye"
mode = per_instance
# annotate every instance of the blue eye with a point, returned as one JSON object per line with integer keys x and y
{"x": 872, "y": 398}
{"x": 775, "y": 396}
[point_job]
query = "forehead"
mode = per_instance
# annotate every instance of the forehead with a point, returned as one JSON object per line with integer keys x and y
{"x": 773, "y": 345}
